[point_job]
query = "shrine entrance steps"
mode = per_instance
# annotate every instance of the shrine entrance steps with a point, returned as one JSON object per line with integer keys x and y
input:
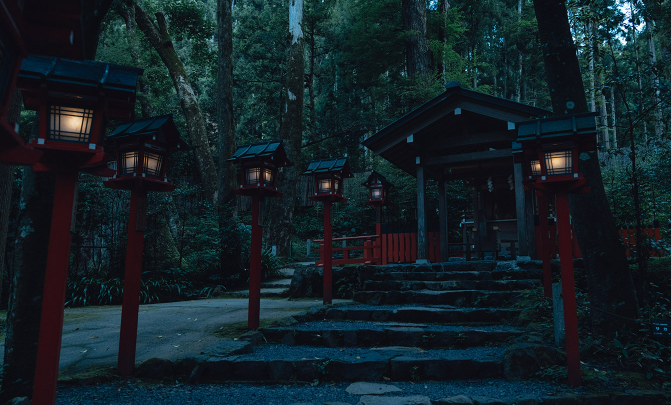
{"x": 436, "y": 322}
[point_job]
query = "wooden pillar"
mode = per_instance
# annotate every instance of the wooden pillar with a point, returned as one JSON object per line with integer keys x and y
{"x": 442, "y": 208}
{"x": 475, "y": 230}
{"x": 521, "y": 211}
{"x": 422, "y": 255}
{"x": 530, "y": 229}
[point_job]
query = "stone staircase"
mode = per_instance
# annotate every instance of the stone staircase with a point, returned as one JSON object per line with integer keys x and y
{"x": 428, "y": 322}
{"x": 274, "y": 288}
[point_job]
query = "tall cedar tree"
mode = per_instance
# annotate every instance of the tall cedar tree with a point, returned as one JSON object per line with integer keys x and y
{"x": 225, "y": 122}
{"x": 160, "y": 40}
{"x": 282, "y": 209}
{"x": 26, "y": 285}
{"x": 611, "y": 289}
{"x": 416, "y": 44}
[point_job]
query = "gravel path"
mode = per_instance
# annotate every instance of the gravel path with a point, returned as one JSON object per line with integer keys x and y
{"x": 135, "y": 393}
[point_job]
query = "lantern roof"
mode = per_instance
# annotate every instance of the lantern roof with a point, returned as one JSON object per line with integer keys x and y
{"x": 551, "y": 128}
{"x": 578, "y": 127}
{"x": 332, "y": 165}
{"x": 81, "y": 79}
{"x": 374, "y": 178}
{"x": 273, "y": 150}
{"x": 162, "y": 127}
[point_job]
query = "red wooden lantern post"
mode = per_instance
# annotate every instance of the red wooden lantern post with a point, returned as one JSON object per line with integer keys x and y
{"x": 37, "y": 27}
{"x": 328, "y": 175}
{"x": 142, "y": 150}
{"x": 259, "y": 164}
{"x": 75, "y": 100}
{"x": 378, "y": 187}
{"x": 550, "y": 149}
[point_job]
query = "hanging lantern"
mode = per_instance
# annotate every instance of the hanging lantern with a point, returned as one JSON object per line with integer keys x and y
{"x": 378, "y": 187}
{"x": 35, "y": 27}
{"x": 328, "y": 177}
{"x": 259, "y": 164}
{"x": 142, "y": 149}
{"x": 549, "y": 149}
{"x": 75, "y": 99}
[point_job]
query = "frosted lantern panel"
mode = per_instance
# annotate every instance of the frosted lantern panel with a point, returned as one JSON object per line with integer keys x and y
{"x": 337, "y": 187}
{"x": 535, "y": 167}
{"x": 324, "y": 186}
{"x": 128, "y": 163}
{"x": 559, "y": 162}
{"x": 268, "y": 177}
{"x": 252, "y": 175}
{"x": 152, "y": 164}
{"x": 376, "y": 194}
{"x": 70, "y": 124}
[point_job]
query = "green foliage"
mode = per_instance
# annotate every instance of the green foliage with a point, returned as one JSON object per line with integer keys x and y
{"x": 101, "y": 291}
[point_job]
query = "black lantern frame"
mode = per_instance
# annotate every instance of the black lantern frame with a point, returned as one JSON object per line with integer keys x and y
{"x": 378, "y": 189}
{"x": 329, "y": 175}
{"x": 75, "y": 100}
{"x": 143, "y": 149}
{"x": 259, "y": 166}
{"x": 550, "y": 148}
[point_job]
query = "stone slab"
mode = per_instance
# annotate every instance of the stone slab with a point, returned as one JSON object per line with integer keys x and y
{"x": 368, "y": 388}
{"x": 410, "y": 400}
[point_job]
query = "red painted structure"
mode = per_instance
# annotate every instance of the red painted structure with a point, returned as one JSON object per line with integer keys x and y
{"x": 328, "y": 175}
{"x": 259, "y": 164}
{"x": 74, "y": 100}
{"x": 142, "y": 150}
{"x": 550, "y": 149}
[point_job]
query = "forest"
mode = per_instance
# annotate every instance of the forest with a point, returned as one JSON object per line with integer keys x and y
{"x": 235, "y": 78}
{"x": 323, "y": 75}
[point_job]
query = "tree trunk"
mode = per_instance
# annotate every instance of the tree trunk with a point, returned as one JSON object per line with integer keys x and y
{"x": 160, "y": 40}
{"x": 416, "y": 46}
{"x": 225, "y": 120}
{"x": 27, "y": 283}
{"x": 520, "y": 56}
{"x": 613, "y": 119}
{"x": 282, "y": 209}
{"x": 611, "y": 289}
{"x": 444, "y": 8}
{"x": 6, "y": 180}
{"x": 127, "y": 11}
{"x": 654, "y": 79}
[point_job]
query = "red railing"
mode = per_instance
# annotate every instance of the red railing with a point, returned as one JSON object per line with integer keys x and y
{"x": 370, "y": 251}
{"x": 394, "y": 248}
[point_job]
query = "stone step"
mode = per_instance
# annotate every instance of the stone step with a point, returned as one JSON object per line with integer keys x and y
{"x": 459, "y": 298}
{"x": 281, "y": 283}
{"x": 458, "y": 275}
{"x": 435, "y": 314}
{"x": 411, "y": 285}
{"x": 373, "y": 334}
{"x": 265, "y": 293}
{"x": 277, "y": 363}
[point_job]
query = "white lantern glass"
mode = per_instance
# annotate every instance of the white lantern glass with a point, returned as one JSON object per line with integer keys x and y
{"x": 268, "y": 177}
{"x": 535, "y": 167}
{"x": 153, "y": 164}
{"x": 375, "y": 193}
{"x": 128, "y": 162}
{"x": 70, "y": 124}
{"x": 252, "y": 176}
{"x": 559, "y": 162}
{"x": 324, "y": 186}
{"x": 337, "y": 187}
